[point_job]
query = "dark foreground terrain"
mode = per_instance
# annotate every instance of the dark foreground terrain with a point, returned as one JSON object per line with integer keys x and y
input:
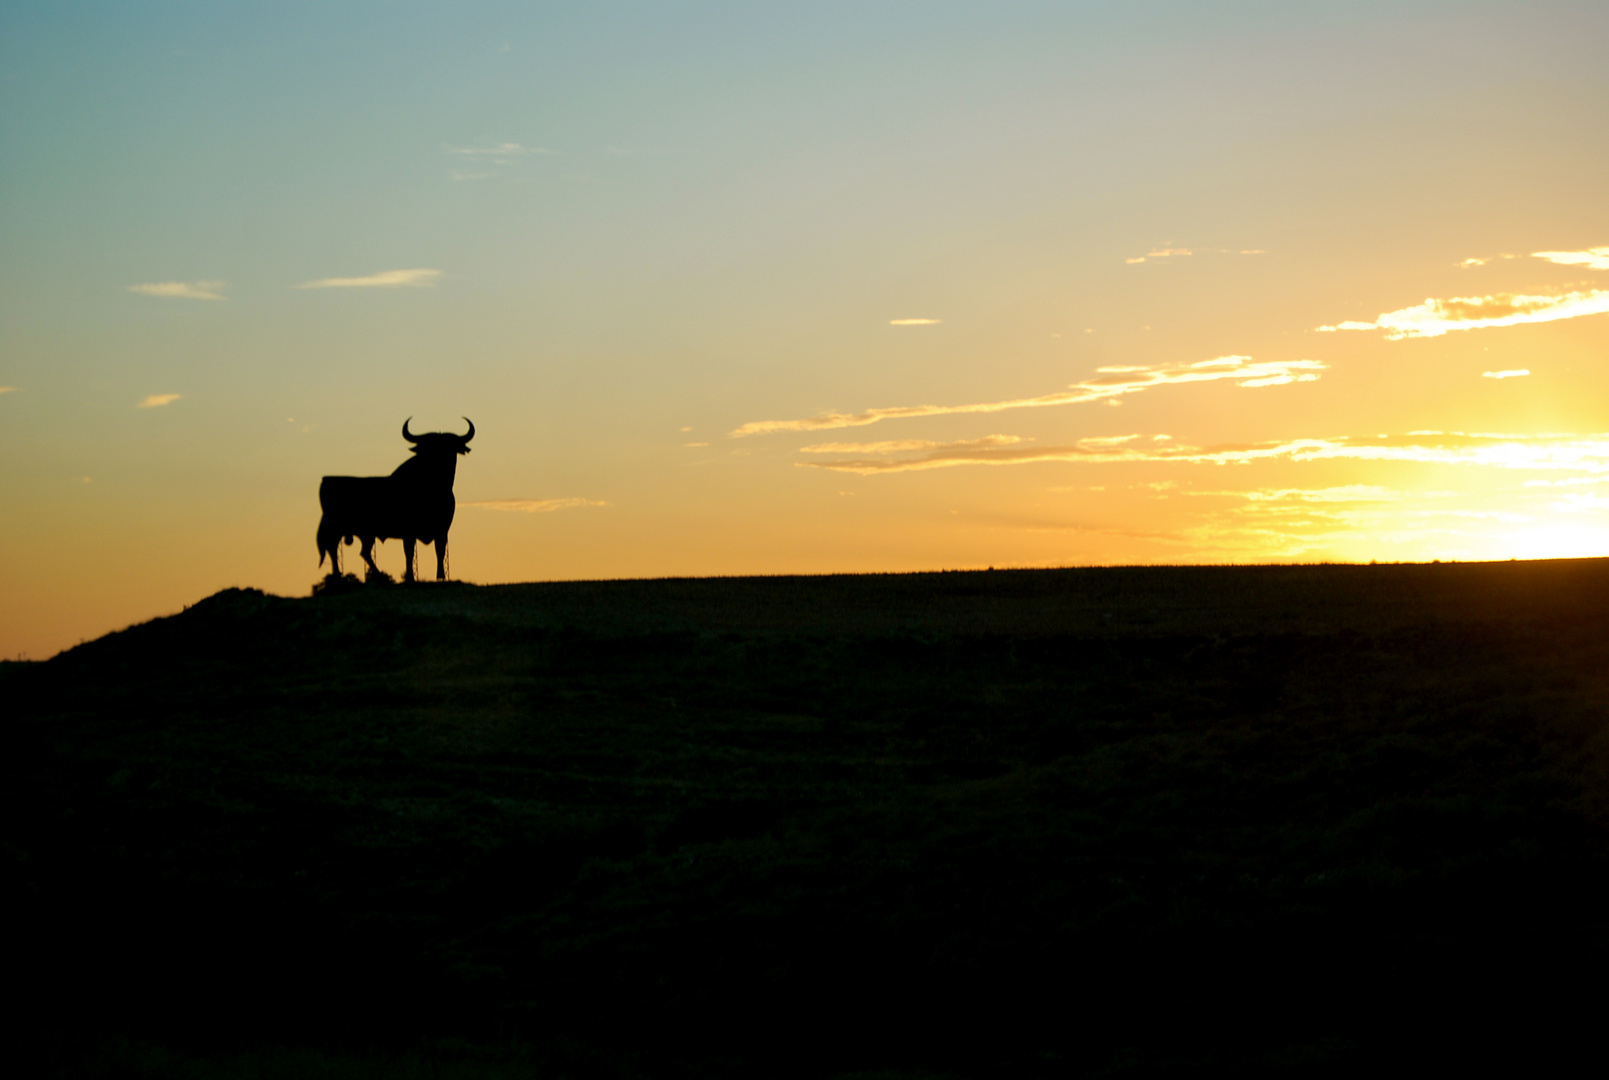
{"x": 1106, "y": 822}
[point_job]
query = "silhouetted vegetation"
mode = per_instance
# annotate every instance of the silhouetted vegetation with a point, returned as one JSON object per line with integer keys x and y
{"x": 1108, "y": 822}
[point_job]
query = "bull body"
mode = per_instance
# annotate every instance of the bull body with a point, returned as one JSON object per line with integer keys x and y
{"x": 414, "y": 504}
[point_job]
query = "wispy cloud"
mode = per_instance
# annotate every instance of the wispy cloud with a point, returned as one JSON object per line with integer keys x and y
{"x": 181, "y": 290}
{"x": 156, "y": 401}
{"x": 914, "y": 322}
{"x": 386, "y": 279}
{"x": 1113, "y": 383}
{"x": 8, "y": 389}
{"x": 902, "y": 446}
{"x": 1592, "y": 258}
{"x": 500, "y": 154}
{"x": 1579, "y": 453}
{"x": 532, "y": 506}
{"x": 1348, "y": 493}
{"x": 485, "y": 161}
{"x": 1160, "y": 253}
{"x": 1173, "y": 252}
{"x": 1435, "y": 317}
{"x": 1511, "y": 373}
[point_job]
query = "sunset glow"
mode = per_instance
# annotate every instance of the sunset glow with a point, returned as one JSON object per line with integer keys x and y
{"x": 737, "y": 291}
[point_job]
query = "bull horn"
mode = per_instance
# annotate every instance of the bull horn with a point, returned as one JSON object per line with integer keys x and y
{"x": 471, "y": 424}
{"x": 406, "y": 434}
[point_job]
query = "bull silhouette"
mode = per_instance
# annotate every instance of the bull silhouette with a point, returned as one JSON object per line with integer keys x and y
{"x": 415, "y": 503}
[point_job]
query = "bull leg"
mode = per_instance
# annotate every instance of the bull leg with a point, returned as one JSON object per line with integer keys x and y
{"x": 441, "y": 557}
{"x": 407, "y": 556}
{"x": 368, "y": 554}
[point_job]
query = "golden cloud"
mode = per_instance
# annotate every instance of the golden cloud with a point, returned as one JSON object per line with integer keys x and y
{"x": 1113, "y": 383}
{"x": 386, "y": 279}
{"x": 1510, "y": 373}
{"x": 1579, "y": 453}
{"x": 898, "y": 446}
{"x": 1435, "y": 317}
{"x": 1168, "y": 253}
{"x": 914, "y": 322}
{"x": 1592, "y": 258}
{"x": 156, "y": 401}
{"x": 1160, "y": 253}
{"x": 181, "y": 290}
{"x": 1348, "y": 493}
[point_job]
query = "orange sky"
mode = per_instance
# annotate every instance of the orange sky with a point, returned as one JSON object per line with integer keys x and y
{"x": 825, "y": 287}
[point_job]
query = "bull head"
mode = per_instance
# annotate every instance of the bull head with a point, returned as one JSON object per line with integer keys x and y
{"x": 420, "y": 441}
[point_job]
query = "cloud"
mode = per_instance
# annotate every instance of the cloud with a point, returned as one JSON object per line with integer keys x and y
{"x": 900, "y": 446}
{"x": 1169, "y": 253}
{"x": 1114, "y": 382}
{"x": 386, "y": 279}
{"x": 1349, "y": 493}
{"x": 1578, "y": 453}
{"x": 532, "y": 506}
{"x": 156, "y": 401}
{"x": 1512, "y": 373}
{"x": 481, "y": 158}
{"x": 1160, "y": 253}
{"x": 8, "y": 389}
{"x": 1574, "y": 481}
{"x": 914, "y": 322}
{"x": 182, "y": 290}
{"x": 1593, "y": 258}
{"x": 499, "y": 154}
{"x": 1435, "y": 317}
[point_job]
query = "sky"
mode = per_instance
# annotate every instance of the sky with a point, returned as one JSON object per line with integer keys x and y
{"x": 818, "y": 287}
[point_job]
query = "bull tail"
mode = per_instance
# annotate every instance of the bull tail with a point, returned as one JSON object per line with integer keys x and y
{"x": 329, "y": 540}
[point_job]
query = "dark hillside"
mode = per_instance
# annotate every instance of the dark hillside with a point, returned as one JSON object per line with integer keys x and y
{"x": 1271, "y": 820}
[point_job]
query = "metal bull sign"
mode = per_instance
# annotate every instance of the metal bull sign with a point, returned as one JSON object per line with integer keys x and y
{"x": 414, "y": 504}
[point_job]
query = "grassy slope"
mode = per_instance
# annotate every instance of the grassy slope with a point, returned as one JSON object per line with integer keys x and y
{"x": 1102, "y": 821}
